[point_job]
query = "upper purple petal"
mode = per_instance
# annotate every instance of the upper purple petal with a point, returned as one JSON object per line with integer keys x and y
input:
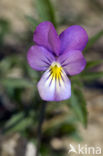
{"x": 46, "y": 35}
{"x": 74, "y": 37}
{"x": 39, "y": 58}
{"x": 72, "y": 61}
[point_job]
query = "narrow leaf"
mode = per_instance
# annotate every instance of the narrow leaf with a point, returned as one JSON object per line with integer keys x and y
{"x": 15, "y": 82}
{"x": 94, "y": 39}
{"x": 78, "y": 105}
{"x": 32, "y": 21}
{"x": 45, "y": 10}
{"x": 88, "y": 76}
{"x": 18, "y": 122}
{"x": 91, "y": 64}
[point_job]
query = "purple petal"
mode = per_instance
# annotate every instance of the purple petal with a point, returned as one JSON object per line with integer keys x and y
{"x": 74, "y": 37}
{"x": 39, "y": 58}
{"x": 72, "y": 61}
{"x": 50, "y": 89}
{"x": 46, "y": 35}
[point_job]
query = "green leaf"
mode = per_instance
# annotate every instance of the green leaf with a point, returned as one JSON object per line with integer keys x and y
{"x": 78, "y": 105}
{"x": 94, "y": 39}
{"x": 45, "y": 11}
{"x": 18, "y": 122}
{"x": 22, "y": 125}
{"x": 32, "y": 21}
{"x": 16, "y": 82}
{"x": 54, "y": 125}
{"x": 91, "y": 64}
{"x": 88, "y": 76}
{"x": 4, "y": 29}
{"x": 14, "y": 119}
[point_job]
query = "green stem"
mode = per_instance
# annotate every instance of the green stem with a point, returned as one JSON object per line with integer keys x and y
{"x": 41, "y": 120}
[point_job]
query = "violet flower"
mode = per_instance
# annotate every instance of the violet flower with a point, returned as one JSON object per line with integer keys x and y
{"x": 58, "y": 56}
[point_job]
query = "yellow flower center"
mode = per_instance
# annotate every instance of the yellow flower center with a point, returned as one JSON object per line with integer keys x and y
{"x": 56, "y": 71}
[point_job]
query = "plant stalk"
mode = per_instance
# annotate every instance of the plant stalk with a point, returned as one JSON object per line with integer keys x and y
{"x": 41, "y": 120}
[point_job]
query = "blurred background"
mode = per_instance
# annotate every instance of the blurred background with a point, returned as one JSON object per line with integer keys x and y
{"x": 78, "y": 120}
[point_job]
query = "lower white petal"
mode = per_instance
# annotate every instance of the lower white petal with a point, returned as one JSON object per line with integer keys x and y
{"x": 52, "y": 88}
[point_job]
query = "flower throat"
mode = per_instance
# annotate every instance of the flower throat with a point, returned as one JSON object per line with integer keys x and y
{"x": 56, "y": 71}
